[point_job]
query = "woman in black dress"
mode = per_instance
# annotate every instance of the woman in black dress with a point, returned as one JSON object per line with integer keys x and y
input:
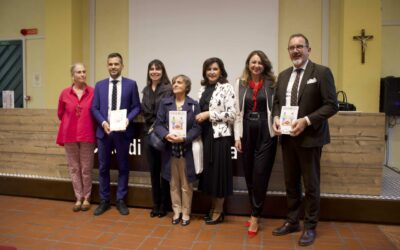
{"x": 253, "y": 130}
{"x": 217, "y": 105}
{"x": 158, "y": 86}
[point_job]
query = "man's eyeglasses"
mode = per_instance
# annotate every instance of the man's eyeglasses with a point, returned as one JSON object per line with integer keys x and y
{"x": 298, "y": 47}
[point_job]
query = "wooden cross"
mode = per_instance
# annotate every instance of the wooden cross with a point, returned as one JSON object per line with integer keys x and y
{"x": 363, "y": 39}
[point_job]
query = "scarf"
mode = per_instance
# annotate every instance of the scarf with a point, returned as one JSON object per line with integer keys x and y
{"x": 255, "y": 87}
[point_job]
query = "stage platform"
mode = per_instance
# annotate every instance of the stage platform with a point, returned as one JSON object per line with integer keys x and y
{"x": 354, "y": 184}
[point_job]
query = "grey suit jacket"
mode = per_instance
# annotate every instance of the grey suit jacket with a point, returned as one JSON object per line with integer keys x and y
{"x": 317, "y": 100}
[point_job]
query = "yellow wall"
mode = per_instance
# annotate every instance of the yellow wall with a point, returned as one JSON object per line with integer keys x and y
{"x": 58, "y": 49}
{"x": 390, "y": 38}
{"x": 65, "y": 26}
{"x": 335, "y": 57}
{"x": 361, "y": 82}
{"x": 18, "y": 14}
{"x": 300, "y": 16}
{"x": 63, "y": 45}
{"x": 112, "y": 31}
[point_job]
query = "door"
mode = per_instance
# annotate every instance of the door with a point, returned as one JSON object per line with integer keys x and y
{"x": 11, "y": 71}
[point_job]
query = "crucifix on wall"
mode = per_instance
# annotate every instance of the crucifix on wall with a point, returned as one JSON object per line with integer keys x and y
{"x": 363, "y": 39}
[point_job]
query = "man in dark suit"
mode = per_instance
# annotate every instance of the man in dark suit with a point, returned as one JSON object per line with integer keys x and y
{"x": 114, "y": 93}
{"x": 311, "y": 88}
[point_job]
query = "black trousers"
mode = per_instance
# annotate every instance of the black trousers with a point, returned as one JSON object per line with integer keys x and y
{"x": 159, "y": 186}
{"x": 259, "y": 151}
{"x": 300, "y": 163}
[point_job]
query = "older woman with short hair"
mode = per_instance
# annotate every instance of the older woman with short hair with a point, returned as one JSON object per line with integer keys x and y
{"x": 178, "y": 165}
{"x": 76, "y": 134}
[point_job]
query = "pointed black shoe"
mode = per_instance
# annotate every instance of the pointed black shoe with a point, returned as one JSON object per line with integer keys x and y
{"x": 286, "y": 228}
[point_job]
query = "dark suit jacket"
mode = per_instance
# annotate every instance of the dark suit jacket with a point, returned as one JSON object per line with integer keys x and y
{"x": 129, "y": 100}
{"x": 316, "y": 100}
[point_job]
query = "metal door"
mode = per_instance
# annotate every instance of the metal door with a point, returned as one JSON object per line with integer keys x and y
{"x": 11, "y": 70}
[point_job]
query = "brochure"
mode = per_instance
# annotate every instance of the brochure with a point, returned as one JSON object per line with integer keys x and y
{"x": 177, "y": 123}
{"x": 118, "y": 120}
{"x": 288, "y": 116}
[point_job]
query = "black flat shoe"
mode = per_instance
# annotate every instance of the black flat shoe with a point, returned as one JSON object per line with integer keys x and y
{"x": 307, "y": 237}
{"x": 161, "y": 214}
{"x": 154, "y": 213}
{"x": 103, "y": 206}
{"x": 185, "y": 222}
{"x": 121, "y": 207}
{"x": 176, "y": 221}
{"x": 217, "y": 220}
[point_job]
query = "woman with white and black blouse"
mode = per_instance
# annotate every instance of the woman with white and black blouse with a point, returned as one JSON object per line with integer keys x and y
{"x": 217, "y": 106}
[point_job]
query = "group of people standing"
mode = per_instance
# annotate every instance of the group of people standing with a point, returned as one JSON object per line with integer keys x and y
{"x": 246, "y": 115}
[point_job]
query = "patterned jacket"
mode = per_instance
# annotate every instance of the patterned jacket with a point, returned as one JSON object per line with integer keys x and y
{"x": 222, "y": 109}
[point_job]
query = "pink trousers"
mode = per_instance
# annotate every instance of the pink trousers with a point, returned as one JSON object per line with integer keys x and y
{"x": 80, "y": 164}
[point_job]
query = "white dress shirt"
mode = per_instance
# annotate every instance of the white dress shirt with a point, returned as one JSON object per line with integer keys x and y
{"x": 119, "y": 88}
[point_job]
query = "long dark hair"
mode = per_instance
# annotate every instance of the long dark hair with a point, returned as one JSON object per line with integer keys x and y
{"x": 206, "y": 65}
{"x": 267, "y": 74}
{"x": 159, "y": 65}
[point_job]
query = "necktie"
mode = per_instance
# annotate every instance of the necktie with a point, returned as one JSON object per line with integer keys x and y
{"x": 293, "y": 96}
{"x": 114, "y": 95}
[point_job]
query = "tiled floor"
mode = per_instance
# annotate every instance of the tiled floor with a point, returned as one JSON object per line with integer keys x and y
{"x": 28, "y": 223}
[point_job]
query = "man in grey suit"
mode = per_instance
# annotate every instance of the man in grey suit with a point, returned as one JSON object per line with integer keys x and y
{"x": 311, "y": 88}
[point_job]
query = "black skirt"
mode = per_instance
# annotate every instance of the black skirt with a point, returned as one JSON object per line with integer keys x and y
{"x": 216, "y": 179}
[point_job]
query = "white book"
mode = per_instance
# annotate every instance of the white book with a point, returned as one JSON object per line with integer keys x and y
{"x": 118, "y": 120}
{"x": 177, "y": 123}
{"x": 288, "y": 116}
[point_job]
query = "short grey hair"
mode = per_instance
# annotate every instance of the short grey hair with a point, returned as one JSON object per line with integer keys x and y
{"x": 73, "y": 66}
{"x": 186, "y": 80}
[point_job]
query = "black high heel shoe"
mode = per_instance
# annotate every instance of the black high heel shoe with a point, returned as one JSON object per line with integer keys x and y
{"x": 217, "y": 220}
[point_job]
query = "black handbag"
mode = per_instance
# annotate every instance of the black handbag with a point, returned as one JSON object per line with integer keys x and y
{"x": 343, "y": 104}
{"x": 155, "y": 140}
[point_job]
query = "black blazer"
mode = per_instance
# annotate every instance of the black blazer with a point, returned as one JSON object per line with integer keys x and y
{"x": 317, "y": 100}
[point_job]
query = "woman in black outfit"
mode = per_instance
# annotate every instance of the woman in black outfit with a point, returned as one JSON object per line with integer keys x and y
{"x": 217, "y": 105}
{"x": 253, "y": 130}
{"x": 158, "y": 86}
